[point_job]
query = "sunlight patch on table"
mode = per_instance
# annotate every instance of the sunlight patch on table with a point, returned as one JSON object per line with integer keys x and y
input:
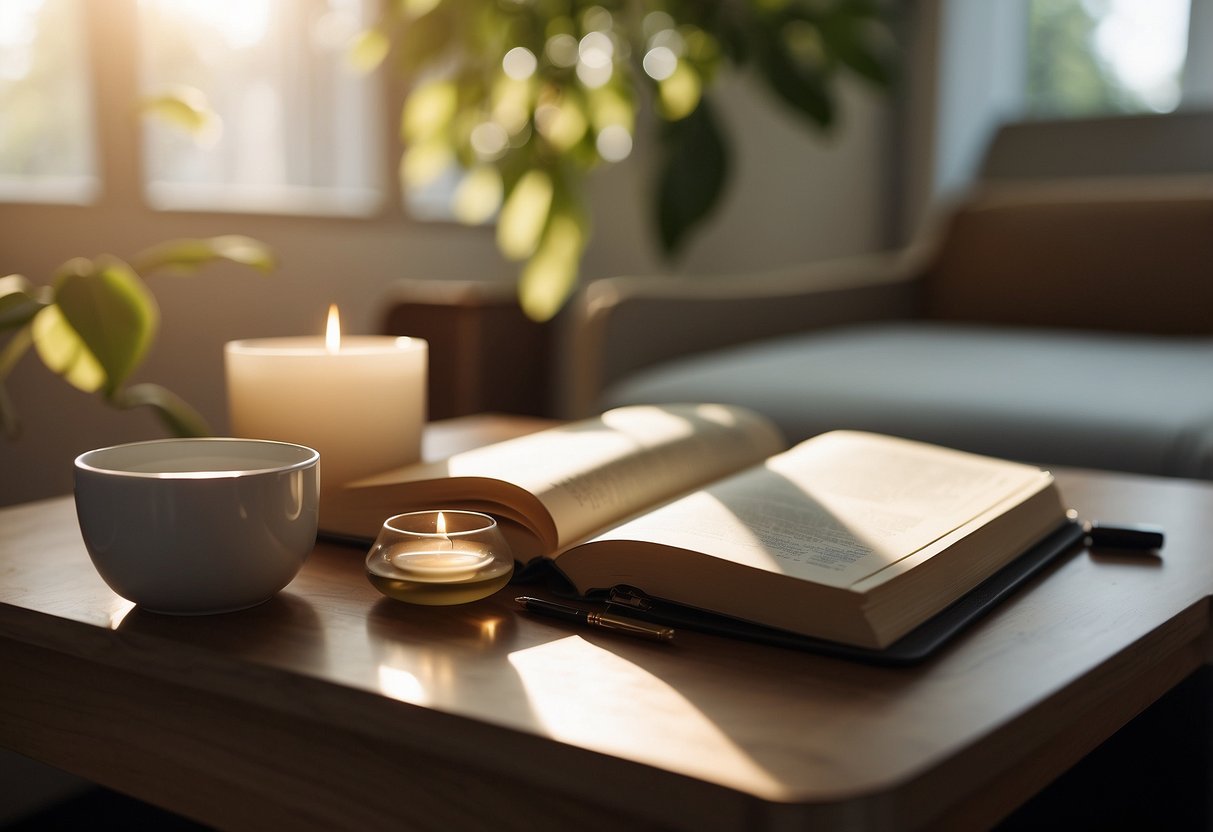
{"x": 121, "y": 609}
{"x": 591, "y": 697}
{"x": 402, "y": 685}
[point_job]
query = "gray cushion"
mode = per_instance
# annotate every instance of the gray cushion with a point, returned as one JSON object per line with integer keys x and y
{"x": 1120, "y": 402}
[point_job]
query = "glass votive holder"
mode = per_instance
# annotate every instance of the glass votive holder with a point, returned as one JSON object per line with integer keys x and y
{"x": 439, "y": 557}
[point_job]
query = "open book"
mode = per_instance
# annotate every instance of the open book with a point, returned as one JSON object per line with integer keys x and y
{"x": 850, "y": 537}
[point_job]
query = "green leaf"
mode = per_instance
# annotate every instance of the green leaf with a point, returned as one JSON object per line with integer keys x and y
{"x": 862, "y": 42}
{"x": 185, "y": 256}
{"x": 20, "y": 301}
{"x": 562, "y": 121}
{"x": 428, "y": 110}
{"x": 695, "y": 168}
{"x": 422, "y": 41}
{"x": 478, "y": 197}
{"x": 524, "y": 215}
{"x": 174, "y": 412}
{"x": 424, "y": 162}
{"x": 368, "y": 50}
{"x": 187, "y": 109}
{"x": 801, "y": 83}
{"x": 551, "y": 274}
{"x": 680, "y": 93}
{"x": 416, "y": 8}
{"x": 64, "y": 353}
{"x": 110, "y": 311}
{"x": 16, "y": 347}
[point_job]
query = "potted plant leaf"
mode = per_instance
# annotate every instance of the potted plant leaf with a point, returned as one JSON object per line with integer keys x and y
{"x": 524, "y": 98}
{"x": 95, "y": 322}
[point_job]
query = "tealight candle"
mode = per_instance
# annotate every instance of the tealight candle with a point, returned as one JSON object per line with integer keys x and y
{"x": 439, "y": 557}
{"x": 439, "y": 566}
{"x": 360, "y": 401}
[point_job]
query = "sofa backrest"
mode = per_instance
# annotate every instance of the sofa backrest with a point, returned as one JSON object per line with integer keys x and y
{"x": 1112, "y": 256}
{"x": 1115, "y": 146}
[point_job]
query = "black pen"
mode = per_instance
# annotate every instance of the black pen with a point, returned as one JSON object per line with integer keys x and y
{"x": 1138, "y": 536}
{"x": 605, "y": 620}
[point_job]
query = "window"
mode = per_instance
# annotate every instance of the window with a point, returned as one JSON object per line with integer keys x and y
{"x": 46, "y": 130}
{"x": 1087, "y": 57}
{"x": 250, "y": 106}
{"x": 286, "y": 122}
{"x": 1049, "y": 59}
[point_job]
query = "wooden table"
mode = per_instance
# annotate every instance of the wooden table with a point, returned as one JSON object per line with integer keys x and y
{"x": 332, "y": 707}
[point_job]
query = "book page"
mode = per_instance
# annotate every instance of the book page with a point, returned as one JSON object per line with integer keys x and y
{"x": 593, "y": 473}
{"x": 835, "y": 509}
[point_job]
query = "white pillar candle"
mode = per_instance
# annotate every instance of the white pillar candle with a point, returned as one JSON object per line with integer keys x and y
{"x": 360, "y": 401}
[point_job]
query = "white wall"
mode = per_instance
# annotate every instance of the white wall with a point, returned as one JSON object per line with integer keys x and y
{"x": 795, "y": 196}
{"x": 1197, "y": 81}
{"x": 795, "y": 193}
{"x": 982, "y": 69}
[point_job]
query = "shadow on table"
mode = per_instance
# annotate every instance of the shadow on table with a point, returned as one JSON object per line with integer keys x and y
{"x": 256, "y": 633}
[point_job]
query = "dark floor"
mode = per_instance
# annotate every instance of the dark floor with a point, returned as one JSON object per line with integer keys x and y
{"x": 1154, "y": 774}
{"x": 102, "y": 810}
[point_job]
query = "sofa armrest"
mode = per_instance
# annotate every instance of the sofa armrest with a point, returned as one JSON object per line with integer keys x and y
{"x": 621, "y": 324}
{"x": 484, "y": 354}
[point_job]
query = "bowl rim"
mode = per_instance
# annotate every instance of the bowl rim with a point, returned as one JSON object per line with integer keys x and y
{"x": 83, "y": 462}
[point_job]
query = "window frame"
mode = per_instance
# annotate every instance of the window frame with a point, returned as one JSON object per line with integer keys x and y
{"x": 111, "y": 35}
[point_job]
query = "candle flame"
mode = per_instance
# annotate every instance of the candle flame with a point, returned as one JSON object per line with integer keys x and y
{"x": 441, "y": 524}
{"x": 332, "y": 331}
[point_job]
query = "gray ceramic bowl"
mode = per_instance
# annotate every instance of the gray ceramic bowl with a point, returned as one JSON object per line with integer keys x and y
{"x": 193, "y": 526}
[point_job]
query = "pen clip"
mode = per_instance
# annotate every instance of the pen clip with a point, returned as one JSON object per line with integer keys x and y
{"x": 628, "y": 596}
